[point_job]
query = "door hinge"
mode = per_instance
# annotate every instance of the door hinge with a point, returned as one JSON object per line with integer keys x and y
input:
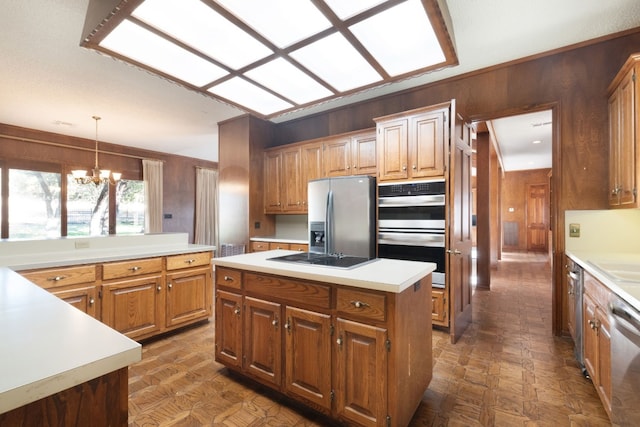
{"x": 387, "y": 344}
{"x": 100, "y": 294}
{"x": 332, "y": 395}
{"x": 331, "y": 330}
{"x": 633, "y": 76}
{"x": 388, "y": 420}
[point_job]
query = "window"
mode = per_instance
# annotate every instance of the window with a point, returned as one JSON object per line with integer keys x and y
{"x": 34, "y": 204}
{"x": 35, "y": 208}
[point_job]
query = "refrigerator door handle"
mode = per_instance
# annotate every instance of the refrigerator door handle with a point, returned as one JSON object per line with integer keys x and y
{"x": 329, "y": 224}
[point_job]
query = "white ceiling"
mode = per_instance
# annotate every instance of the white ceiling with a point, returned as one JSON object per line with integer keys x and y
{"x": 48, "y": 82}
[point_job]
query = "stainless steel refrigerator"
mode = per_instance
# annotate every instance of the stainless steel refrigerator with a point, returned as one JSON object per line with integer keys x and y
{"x": 342, "y": 216}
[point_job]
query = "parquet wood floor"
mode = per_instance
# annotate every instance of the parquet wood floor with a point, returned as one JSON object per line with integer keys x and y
{"x": 507, "y": 370}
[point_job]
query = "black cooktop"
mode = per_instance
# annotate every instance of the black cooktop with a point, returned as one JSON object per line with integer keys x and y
{"x": 338, "y": 260}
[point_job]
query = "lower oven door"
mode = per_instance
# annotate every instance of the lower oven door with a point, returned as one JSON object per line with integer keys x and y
{"x": 415, "y": 246}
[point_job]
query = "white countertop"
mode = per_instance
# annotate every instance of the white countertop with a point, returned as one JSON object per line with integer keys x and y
{"x": 628, "y": 291}
{"x": 47, "y": 345}
{"x": 276, "y": 239}
{"x": 389, "y": 275}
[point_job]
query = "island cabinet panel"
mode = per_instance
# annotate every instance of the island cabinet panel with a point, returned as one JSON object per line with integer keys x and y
{"x": 228, "y": 345}
{"x": 262, "y": 355}
{"x": 189, "y": 296}
{"x": 100, "y": 402}
{"x": 134, "y": 307}
{"x": 361, "y": 356}
{"x": 308, "y": 357}
{"x": 361, "y": 373}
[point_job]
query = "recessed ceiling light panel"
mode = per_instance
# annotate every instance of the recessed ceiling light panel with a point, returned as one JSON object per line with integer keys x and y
{"x": 347, "y": 8}
{"x": 283, "y": 77}
{"x": 199, "y": 26}
{"x": 283, "y": 22}
{"x": 337, "y": 62}
{"x": 143, "y": 46}
{"x": 400, "y": 38}
{"x": 242, "y": 92}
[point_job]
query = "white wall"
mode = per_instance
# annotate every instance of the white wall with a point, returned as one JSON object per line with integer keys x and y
{"x": 613, "y": 230}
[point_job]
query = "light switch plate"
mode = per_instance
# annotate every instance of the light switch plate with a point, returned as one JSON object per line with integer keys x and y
{"x": 574, "y": 230}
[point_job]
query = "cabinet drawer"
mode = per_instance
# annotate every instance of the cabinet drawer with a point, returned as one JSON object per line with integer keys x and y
{"x": 277, "y": 245}
{"x": 292, "y": 291}
{"x": 176, "y": 262}
{"x": 361, "y": 303}
{"x": 299, "y": 247}
{"x": 116, "y": 270}
{"x": 229, "y": 278}
{"x": 259, "y": 246}
{"x": 56, "y": 277}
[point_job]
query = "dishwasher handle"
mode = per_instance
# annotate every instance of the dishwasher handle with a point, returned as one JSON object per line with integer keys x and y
{"x": 626, "y": 313}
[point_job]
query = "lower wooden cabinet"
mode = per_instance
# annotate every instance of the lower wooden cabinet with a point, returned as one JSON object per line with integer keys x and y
{"x": 258, "y": 246}
{"x": 139, "y": 297}
{"x": 439, "y": 313}
{"x": 597, "y": 338}
{"x": 327, "y": 346}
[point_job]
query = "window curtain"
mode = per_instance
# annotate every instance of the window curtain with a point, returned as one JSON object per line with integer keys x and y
{"x": 206, "y": 207}
{"x": 152, "y": 176}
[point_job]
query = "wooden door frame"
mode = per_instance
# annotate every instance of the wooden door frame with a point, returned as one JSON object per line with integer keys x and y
{"x": 556, "y": 212}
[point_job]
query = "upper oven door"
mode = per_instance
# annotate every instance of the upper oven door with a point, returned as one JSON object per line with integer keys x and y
{"x": 412, "y": 212}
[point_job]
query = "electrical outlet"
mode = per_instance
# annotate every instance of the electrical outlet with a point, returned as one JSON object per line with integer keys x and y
{"x": 574, "y": 230}
{"x": 82, "y": 244}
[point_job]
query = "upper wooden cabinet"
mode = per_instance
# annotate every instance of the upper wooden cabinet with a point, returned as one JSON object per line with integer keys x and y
{"x": 412, "y": 144}
{"x": 351, "y": 154}
{"x": 623, "y": 136}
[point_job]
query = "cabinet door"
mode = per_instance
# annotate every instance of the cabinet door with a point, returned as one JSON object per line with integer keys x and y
{"x": 291, "y": 180}
{"x": 627, "y": 142}
{"x": 228, "y": 328}
{"x": 337, "y": 157}
{"x": 189, "y": 296}
{"x": 263, "y": 340}
{"x": 604, "y": 384}
{"x": 426, "y": 144}
{"x": 81, "y": 297}
{"x": 589, "y": 337}
{"x": 272, "y": 181}
{"x": 308, "y": 356}
{"x": 361, "y": 373}
{"x": 439, "y": 307}
{"x": 134, "y": 307}
{"x": 312, "y": 167}
{"x": 364, "y": 157}
{"x": 392, "y": 149}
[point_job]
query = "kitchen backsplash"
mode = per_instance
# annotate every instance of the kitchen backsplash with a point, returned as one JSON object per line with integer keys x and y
{"x": 291, "y": 227}
{"x": 613, "y": 230}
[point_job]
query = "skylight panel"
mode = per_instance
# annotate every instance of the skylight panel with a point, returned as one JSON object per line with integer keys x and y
{"x": 337, "y": 62}
{"x": 283, "y": 77}
{"x": 409, "y": 46}
{"x": 283, "y": 22}
{"x": 345, "y": 9}
{"x": 204, "y": 29}
{"x": 242, "y": 92}
{"x": 143, "y": 46}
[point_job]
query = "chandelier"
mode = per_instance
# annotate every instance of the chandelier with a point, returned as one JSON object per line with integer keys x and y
{"x": 96, "y": 176}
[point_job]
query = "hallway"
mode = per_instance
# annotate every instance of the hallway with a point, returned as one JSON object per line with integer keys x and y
{"x": 506, "y": 370}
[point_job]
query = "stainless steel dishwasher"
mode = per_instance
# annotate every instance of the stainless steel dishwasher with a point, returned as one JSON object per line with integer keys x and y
{"x": 625, "y": 362}
{"x": 575, "y": 289}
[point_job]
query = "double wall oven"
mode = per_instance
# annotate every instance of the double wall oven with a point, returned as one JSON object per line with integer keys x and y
{"x": 411, "y": 224}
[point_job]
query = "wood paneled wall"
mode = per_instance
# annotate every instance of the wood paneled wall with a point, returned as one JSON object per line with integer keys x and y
{"x": 179, "y": 172}
{"x": 572, "y": 81}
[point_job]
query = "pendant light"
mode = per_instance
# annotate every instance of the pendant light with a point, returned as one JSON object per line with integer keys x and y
{"x": 96, "y": 176}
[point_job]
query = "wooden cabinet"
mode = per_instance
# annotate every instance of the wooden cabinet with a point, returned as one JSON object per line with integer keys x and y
{"x": 597, "y": 338}
{"x": 258, "y": 246}
{"x": 279, "y": 245}
{"x": 439, "y": 313}
{"x": 327, "y": 346}
{"x": 312, "y": 167}
{"x": 623, "y": 136}
{"x": 351, "y": 154}
{"x": 412, "y": 144}
{"x": 189, "y": 289}
{"x": 76, "y": 285}
{"x": 272, "y": 181}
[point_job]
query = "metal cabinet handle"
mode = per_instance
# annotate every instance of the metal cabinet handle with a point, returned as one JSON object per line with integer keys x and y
{"x": 414, "y": 167}
{"x": 228, "y": 278}
{"x": 274, "y": 322}
{"x": 359, "y": 304}
{"x": 287, "y": 325}
{"x": 348, "y": 167}
{"x": 56, "y": 278}
{"x": 170, "y": 285}
{"x": 404, "y": 167}
{"x": 190, "y": 261}
{"x": 91, "y": 301}
{"x": 236, "y": 311}
{"x": 136, "y": 268}
{"x": 159, "y": 288}
{"x": 339, "y": 341}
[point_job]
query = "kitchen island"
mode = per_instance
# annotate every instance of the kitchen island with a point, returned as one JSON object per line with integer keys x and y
{"x": 354, "y": 344}
{"x": 57, "y": 363}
